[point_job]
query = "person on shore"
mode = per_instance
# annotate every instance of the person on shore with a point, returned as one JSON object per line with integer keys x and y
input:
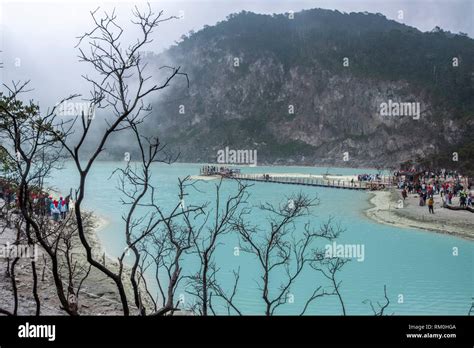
{"x": 450, "y": 197}
{"x": 51, "y": 205}
{"x": 47, "y": 203}
{"x": 41, "y": 205}
{"x": 67, "y": 201}
{"x": 35, "y": 203}
{"x": 404, "y": 194}
{"x": 55, "y": 212}
{"x": 462, "y": 199}
{"x": 63, "y": 209}
{"x": 430, "y": 205}
{"x": 9, "y": 196}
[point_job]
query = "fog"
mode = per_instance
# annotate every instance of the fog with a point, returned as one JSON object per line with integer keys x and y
{"x": 38, "y": 38}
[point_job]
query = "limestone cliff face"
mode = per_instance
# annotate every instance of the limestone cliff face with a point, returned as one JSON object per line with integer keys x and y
{"x": 296, "y": 103}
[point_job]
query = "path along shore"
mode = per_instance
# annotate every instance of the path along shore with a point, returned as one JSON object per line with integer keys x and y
{"x": 386, "y": 209}
{"x": 98, "y": 295}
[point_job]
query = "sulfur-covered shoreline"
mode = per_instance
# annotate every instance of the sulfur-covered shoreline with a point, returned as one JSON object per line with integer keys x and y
{"x": 98, "y": 295}
{"x": 389, "y": 208}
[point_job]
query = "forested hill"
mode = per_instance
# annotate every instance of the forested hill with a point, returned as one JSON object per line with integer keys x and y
{"x": 307, "y": 89}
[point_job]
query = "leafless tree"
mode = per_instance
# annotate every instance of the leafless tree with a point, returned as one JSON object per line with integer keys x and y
{"x": 12, "y": 275}
{"x": 76, "y": 270}
{"x": 158, "y": 239}
{"x": 207, "y": 238}
{"x": 380, "y": 308}
{"x": 170, "y": 245}
{"x": 35, "y": 152}
{"x": 329, "y": 267}
{"x": 227, "y": 297}
{"x": 152, "y": 233}
{"x": 279, "y": 248}
{"x": 119, "y": 90}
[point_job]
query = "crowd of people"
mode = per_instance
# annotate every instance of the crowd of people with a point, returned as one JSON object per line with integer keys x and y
{"x": 7, "y": 191}
{"x": 46, "y": 205}
{"x": 368, "y": 177}
{"x": 425, "y": 175}
{"x": 214, "y": 170}
{"x": 42, "y": 203}
{"x": 427, "y": 184}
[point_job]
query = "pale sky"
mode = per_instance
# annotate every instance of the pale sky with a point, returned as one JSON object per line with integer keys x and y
{"x": 38, "y": 37}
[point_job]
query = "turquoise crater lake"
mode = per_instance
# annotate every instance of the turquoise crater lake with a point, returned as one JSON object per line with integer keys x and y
{"x": 418, "y": 265}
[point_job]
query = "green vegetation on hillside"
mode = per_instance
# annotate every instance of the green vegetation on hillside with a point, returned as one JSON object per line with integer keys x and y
{"x": 273, "y": 48}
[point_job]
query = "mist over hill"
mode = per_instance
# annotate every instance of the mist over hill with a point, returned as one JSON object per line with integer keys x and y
{"x": 308, "y": 88}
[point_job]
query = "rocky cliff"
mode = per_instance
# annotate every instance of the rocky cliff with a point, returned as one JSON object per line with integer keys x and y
{"x": 309, "y": 90}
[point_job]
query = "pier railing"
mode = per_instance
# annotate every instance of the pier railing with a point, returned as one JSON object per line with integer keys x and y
{"x": 321, "y": 182}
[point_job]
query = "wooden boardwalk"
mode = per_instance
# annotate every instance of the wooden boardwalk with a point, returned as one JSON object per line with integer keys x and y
{"x": 317, "y": 182}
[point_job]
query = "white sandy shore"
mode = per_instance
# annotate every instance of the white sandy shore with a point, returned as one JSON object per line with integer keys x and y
{"x": 386, "y": 210}
{"x": 204, "y": 177}
{"x": 100, "y": 222}
{"x": 98, "y": 295}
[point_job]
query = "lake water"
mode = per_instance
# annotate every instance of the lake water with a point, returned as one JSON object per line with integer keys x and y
{"x": 416, "y": 265}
